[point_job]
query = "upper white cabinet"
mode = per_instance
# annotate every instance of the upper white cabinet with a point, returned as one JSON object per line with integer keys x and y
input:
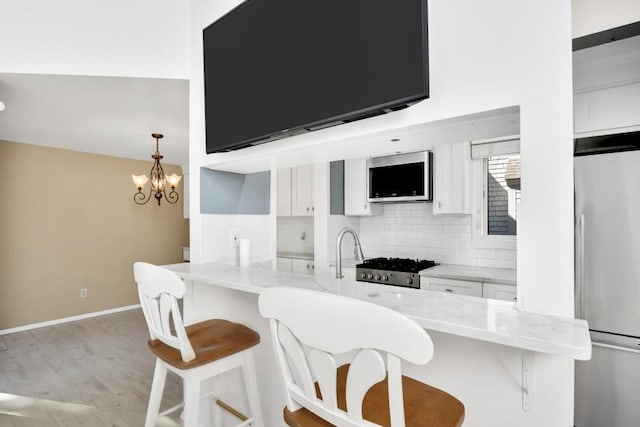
{"x": 452, "y": 179}
{"x": 613, "y": 109}
{"x": 295, "y": 191}
{"x": 284, "y": 192}
{"x": 606, "y": 85}
{"x": 302, "y": 191}
{"x": 355, "y": 189}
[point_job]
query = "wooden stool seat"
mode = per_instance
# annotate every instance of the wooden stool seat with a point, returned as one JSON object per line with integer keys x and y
{"x": 211, "y": 340}
{"x": 424, "y": 406}
{"x": 196, "y": 353}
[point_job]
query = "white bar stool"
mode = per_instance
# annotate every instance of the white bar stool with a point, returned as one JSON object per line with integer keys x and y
{"x": 310, "y": 329}
{"x": 196, "y": 352}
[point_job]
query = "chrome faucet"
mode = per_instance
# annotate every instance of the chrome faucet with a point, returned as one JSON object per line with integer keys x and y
{"x": 357, "y": 250}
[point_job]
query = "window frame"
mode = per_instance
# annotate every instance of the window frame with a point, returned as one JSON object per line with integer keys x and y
{"x": 479, "y": 218}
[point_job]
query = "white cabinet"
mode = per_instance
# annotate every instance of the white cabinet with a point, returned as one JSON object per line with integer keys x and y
{"x": 458, "y": 287}
{"x": 284, "y": 192}
{"x": 469, "y": 287}
{"x": 295, "y": 191}
{"x": 499, "y": 291}
{"x": 295, "y": 265}
{"x": 304, "y": 266}
{"x": 612, "y": 109}
{"x": 302, "y": 191}
{"x": 452, "y": 179}
{"x": 284, "y": 264}
{"x": 355, "y": 189}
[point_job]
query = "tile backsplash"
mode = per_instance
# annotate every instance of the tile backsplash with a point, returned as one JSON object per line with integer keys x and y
{"x": 295, "y": 234}
{"x": 411, "y": 230}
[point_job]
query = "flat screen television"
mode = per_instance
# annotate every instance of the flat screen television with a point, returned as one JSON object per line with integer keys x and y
{"x": 275, "y": 68}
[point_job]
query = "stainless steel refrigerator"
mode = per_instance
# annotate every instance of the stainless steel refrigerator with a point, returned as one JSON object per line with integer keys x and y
{"x": 607, "y": 209}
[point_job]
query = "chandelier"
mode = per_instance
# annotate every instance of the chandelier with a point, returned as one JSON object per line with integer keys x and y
{"x": 159, "y": 180}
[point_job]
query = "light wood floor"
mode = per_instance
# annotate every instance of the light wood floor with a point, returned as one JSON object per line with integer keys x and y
{"x": 93, "y": 372}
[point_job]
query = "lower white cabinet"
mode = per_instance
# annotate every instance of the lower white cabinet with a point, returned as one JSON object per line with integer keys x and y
{"x": 458, "y": 287}
{"x": 283, "y": 264}
{"x": 295, "y": 265}
{"x": 468, "y": 287}
{"x": 499, "y": 291}
{"x": 304, "y": 266}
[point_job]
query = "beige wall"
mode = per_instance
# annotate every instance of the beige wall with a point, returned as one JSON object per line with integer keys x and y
{"x": 68, "y": 221}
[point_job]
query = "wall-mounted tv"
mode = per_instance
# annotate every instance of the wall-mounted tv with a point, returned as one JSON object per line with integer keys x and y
{"x": 275, "y": 68}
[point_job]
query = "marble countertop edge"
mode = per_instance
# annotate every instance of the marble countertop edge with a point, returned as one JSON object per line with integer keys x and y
{"x": 492, "y": 321}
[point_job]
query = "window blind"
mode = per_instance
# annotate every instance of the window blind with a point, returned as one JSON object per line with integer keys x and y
{"x": 495, "y": 147}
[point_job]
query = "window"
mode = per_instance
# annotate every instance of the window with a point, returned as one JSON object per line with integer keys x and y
{"x": 496, "y": 192}
{"x": 501, "y": 201}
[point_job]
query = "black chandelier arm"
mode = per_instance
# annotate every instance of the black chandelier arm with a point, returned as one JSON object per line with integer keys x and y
{"x": 140, "y": 198}
{"x": 172, "y": 197}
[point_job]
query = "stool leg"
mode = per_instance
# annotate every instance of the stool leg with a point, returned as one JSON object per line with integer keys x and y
{"x": 191, "y": 400}
{"x": 155, "y": 397}
{"x": 251, "y": 384}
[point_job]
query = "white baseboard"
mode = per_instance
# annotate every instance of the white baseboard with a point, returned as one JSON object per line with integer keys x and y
{"x": 67, "y": 319}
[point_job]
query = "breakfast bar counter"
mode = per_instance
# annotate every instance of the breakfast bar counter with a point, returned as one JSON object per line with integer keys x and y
{"x": 487, "y": 320}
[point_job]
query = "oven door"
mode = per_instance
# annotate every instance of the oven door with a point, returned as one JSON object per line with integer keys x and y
{"x": 403, "y": 177}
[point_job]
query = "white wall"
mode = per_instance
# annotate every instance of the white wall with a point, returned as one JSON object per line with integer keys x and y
{"x": 483, "y": 56}
{"x": 215, "y": 241}
{"x": 592, "y": 16}
{"x": 134, "y": 38}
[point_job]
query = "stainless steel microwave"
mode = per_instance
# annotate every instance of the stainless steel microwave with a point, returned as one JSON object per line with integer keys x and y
{"x": 400, "y": 178}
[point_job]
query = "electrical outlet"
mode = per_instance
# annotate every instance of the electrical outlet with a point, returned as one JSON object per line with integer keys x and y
{"x": 83, "y": 292}
{"x": 233, "y": 239}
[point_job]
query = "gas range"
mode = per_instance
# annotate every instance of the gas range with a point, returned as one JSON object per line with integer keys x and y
{"x": 393, "y": 271}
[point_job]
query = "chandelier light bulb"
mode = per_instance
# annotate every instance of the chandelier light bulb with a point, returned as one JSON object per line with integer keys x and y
{"x": 139, "y": 180}
{"x": 173, "y": 180}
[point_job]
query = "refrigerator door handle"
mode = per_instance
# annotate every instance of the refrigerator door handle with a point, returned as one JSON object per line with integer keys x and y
{"x": 579, "y": 290}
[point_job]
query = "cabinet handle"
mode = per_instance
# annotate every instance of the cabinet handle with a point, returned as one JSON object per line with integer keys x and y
{"x": 365, "y": 206}
{"x": 448, "y": 290}
{"x": 439, "y": 204}
{"x": 313, "y": 208}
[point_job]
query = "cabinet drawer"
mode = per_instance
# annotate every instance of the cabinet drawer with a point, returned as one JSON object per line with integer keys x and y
{"x": 283, "y": 264}
{"x": 498, "y": 291}
{"x": 459, "y": 287}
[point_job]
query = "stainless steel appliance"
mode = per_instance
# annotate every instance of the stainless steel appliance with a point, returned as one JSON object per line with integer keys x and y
{"x": 393, "y": 271}
{"x": 607, "y": 208}
{"x": 400, "y": 178}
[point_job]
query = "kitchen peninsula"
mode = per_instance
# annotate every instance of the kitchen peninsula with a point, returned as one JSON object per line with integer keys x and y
{"x": 483, "y": 319}
{"x": 217, "y": 289}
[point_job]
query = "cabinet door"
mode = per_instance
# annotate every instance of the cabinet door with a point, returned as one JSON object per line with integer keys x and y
{"x": 283, "y": 264}
{"x": 355, "y": 189}
{"x": 459, "y": 287}
{"x": 451, "y": 176}
{"x": 302, "y": 191}
{"x": 284, "y": 192}
{"x": 303, "y": 266}
{"x": 614, "y": 109}
{"x": 499, "y": 291}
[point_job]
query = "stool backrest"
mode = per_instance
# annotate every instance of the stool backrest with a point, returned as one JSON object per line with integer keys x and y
{"x": 310, "y": 328}
{"x": 159, "y": 290}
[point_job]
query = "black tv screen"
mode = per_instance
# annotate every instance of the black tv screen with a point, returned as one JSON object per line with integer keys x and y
{"x": 275, "y": 68}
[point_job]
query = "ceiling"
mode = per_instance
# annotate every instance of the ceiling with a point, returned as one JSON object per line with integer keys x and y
{"x": 113, "y": 116}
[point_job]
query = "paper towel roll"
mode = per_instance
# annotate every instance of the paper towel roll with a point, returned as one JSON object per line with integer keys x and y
{"x": 245, "y": 252}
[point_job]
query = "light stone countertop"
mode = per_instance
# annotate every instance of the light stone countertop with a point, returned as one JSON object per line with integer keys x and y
{"x": 504, "y": 276}
{"x": 296, "y": 255}
{"x": 482, "y": 319}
